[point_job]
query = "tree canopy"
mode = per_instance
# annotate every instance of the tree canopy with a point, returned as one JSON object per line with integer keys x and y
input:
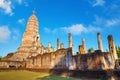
{"x": 91, "y": 50}
{"x": 118, "y": 51}
{"x": 0, "y": 57}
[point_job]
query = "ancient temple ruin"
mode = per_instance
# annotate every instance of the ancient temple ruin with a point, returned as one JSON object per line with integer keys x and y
{"x": 32, "y": 54}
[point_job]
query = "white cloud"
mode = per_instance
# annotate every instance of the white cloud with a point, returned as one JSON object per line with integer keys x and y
{"x": 99, "y": 21}
{"x": 4, "y": 33}
{"x": 6, "y": 6}
{"x": 22, "y": 2}
{"x": 98, "y": 3}
{"x": 47, "y": 30}
{"x": 74, "y": 29}
{"x": 79, "y": 28}
{"x": 21, "y": 21}
{"x": 26, "y": 4}
{"x": 114, "y": 7}
{"x": 19, "y": 1}
{"x": 15, "y": 34}
{"x": 93, "y": 29}
{"x": 112, "y": 22}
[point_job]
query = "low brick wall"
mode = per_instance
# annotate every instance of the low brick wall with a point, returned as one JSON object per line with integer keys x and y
{"x": 79, "y": 73}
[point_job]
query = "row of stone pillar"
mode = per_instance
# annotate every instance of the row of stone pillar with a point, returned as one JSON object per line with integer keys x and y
{"x": 82, "y": 48}
{"x": 70, "y": 44}
{"x": 61, "y": 45}
{"x": 111, "y": 44}
{"x": 112, "y": 49}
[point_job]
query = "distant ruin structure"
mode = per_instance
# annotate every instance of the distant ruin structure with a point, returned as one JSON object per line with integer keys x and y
{"x": 34, "y": 55}
{"x": 61, "y": 45}
{"x": 82, "y": 48}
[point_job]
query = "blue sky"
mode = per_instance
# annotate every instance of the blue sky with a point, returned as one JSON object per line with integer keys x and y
{"x": 83, "y": 18}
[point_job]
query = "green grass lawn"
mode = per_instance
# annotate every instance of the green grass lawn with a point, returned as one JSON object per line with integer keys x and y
{"x": 27, "y": 75}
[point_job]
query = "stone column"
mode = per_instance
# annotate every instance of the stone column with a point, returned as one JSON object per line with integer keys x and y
{"x": 58, "y": 43}
{"x": 84, "y": 45}
{"x": 70, "y": 40}
{"x": 112, "y": 47}
{"x": 34, "y": 61}
{"x": 99, "y": 42}
{"x": 49, "y": 45}
{"x": 61, "y": 45}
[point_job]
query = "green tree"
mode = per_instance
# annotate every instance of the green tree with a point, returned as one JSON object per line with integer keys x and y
{"x": 107, "y": 50}
{"x": 0, "y": 57}
{"x": 118, "y": 51}
{"x": 91, "y": 50}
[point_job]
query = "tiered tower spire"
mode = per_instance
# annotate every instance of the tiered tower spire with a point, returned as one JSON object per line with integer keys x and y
{"x": 30, "y": 39}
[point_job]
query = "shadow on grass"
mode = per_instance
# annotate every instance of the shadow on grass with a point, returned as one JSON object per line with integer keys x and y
{"x": 52, "y": 77}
